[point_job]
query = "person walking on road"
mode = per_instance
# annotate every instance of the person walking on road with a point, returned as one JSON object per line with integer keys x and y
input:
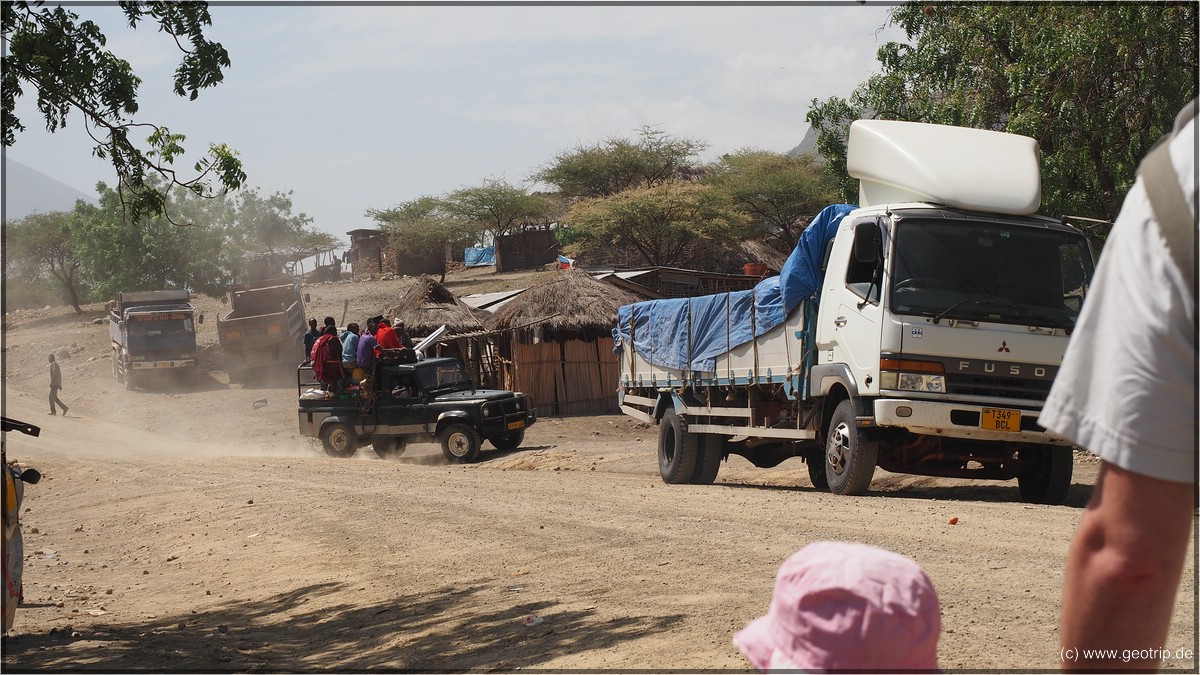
{"x": 55, "y": 385}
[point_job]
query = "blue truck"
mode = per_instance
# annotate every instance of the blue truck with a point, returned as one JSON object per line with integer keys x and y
{"x": 153, "y": 332}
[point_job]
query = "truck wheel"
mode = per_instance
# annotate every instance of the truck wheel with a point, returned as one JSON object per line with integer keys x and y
{"x": 816, "y": 469}
{"x": 129, "y": 383}
{"x": 460, "y": 444}
{"x": 388, "y": 447}
{"x": 116, "y": 369}
{"x": 1045, "y": 474}
{"x": 849, "y": 455}
{"x": 712, "y": 451}
{"x": 339, "y": 440}
{"x": 678, "y": 451}
{"x": 511, "y": 441}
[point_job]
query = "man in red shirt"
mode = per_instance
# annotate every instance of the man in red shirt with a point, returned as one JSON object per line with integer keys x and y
{"x": 386, "y": 336}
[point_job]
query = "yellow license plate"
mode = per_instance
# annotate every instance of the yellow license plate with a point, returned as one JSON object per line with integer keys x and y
{"x": 516, "y": 425}
{"x": 1000, "y": 419}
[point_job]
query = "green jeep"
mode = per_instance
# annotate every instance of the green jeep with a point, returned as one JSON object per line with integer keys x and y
{"x": 432, "y": 399}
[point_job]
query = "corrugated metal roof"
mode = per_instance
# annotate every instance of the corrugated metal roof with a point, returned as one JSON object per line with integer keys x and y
{"x": 490, "y": 301}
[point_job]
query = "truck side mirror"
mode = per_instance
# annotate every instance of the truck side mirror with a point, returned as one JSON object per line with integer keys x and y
{"x": 307, "y": 298}
{"x": 867, "y": 242}
{"x": 200, "y": 319}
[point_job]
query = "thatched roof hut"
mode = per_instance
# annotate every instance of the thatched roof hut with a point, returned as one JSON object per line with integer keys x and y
{"x": 570, "y": 306}
{"x": 555, "y": 343}
{"x": 427, "y": 305}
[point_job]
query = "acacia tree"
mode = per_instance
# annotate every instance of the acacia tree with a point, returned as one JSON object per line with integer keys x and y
{"x": 119, "y": 255}
{"x": 64, "y": 61}
{"x": 424, "y": 226}
{"x": 617, "y": 164}
{"x": 43, "y": 244}
{"x": 1095, "y": 83}
{"x": 662, "y": 223}
{"x": 499, "y": 208}
{"x": 780, "y": 193}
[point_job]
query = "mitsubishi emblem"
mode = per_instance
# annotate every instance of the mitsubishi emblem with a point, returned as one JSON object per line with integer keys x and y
{"x": 1004, "y": 347}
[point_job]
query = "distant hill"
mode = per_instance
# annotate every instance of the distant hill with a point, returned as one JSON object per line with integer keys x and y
{"x": 808, "y": 146}
{"x": 28, "y": 190}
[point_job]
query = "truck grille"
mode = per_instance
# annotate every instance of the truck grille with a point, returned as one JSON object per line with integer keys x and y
{"x": 1004, "y": 387}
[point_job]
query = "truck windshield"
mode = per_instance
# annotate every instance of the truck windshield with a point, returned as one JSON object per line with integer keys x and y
{"x": 1001, "y": 272}
{"x": 147, "y": 326}
{"x": 444, "y": 376}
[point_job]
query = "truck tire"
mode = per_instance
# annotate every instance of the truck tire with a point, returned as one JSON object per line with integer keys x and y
{"x": 117, "y": 375}
{"x": 130, "y": 384}
{"x": 388, "y": 447}
{"x": 712, "y": 451}
{"x": 1045, "y": 474}
{"x": 849, "y": 456}
{"x": 678, "y": 451}
{"x": 460, "y": 444}
{"x": 816, "y": 469}
{"x": 339, "y": 440}
{"x": 510, "y": 442}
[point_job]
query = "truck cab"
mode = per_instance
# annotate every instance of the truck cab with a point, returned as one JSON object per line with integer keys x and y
{"x": 152, "y": 331}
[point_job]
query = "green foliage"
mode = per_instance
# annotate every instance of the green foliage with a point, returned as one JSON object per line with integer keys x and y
{"x": 500, "y": 208}
{"x": 1095, "y": 83}
{"x": 664, "y": 223}
{"x": 41, "y": 247}
{"x": 426, "y": 227}
{"x": 778, "y": 192}
{"x": 114, "y": 254}
{"x": 617, "y": 164}
{"x": 119, "y": 255}
{"x": 63, "y": 59}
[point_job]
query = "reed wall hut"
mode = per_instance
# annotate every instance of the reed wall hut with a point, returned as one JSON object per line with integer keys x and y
{"x": 554, "y": 342}
{"x": 426, "y": 306}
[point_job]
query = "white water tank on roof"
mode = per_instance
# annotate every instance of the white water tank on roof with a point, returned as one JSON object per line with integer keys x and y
{"x": 964, "y": 168}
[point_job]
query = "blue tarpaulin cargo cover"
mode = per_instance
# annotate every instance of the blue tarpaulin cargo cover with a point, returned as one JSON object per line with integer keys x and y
{"x": 662, "y": 330}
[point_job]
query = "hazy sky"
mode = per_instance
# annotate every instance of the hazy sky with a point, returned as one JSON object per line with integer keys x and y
{"x": 357, "y": 107}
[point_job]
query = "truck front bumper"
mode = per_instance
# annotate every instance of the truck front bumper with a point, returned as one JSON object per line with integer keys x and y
{"x": 158, "y": 365}
{"x": 960, "y": 420}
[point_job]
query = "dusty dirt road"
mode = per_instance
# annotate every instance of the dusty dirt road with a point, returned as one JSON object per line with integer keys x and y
{"x": 182, "y": 528}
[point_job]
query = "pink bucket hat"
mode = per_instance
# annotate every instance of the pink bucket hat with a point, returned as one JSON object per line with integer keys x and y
{"x": 845, "y": 606}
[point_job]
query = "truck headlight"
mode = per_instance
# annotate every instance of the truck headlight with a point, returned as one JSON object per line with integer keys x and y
{"x": 487, "y": 409}
{"x": 907, "y": 375}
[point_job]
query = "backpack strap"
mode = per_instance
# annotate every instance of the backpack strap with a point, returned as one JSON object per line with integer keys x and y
{"x": 1176, "y": 221}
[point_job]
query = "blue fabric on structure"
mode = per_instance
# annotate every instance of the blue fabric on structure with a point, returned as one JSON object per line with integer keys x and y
{"x": 689, "y": 333}
{"x": 479, "y": 256}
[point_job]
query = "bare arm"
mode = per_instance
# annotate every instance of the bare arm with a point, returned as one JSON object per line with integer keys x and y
{"x": 1124, "y": 566}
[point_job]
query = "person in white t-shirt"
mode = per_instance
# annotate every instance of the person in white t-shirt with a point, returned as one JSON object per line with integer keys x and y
{"x": 1127, "y": 392}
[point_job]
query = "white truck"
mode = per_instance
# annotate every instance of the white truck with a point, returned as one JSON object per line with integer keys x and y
{"x": 919, "y": 331}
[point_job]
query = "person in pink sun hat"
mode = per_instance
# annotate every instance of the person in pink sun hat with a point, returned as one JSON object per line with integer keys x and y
{"x": 842, "y": 606}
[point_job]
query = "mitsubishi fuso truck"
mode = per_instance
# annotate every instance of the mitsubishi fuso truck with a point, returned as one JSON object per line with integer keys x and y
{"x": 918, "y": 331}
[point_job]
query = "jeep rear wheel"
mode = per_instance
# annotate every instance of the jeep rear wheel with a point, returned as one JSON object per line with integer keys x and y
{"x": 339, "y": 440}
{"x": 388, "y": 447}
{"x": 460, "y": 444}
